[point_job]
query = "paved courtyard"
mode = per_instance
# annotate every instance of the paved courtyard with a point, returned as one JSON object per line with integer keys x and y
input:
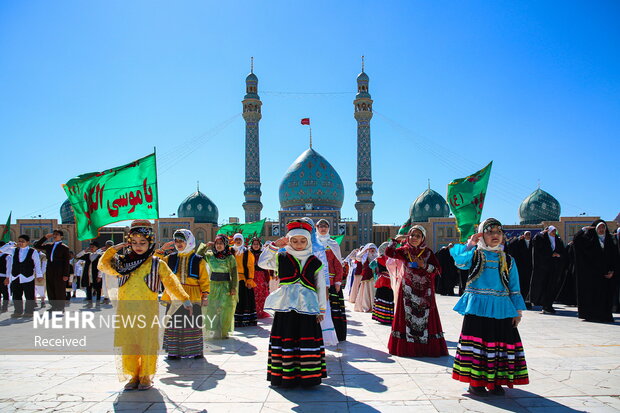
{"x": 573, "y": 365}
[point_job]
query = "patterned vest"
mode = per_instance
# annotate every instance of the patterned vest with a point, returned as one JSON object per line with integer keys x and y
{"x": 289, "y": 271}
{"x": 152, "y": 279}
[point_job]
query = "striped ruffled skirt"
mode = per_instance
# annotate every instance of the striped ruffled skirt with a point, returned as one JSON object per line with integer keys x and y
{"x": 490, "y": 353}
{"x": 296, "y": 352}
{"x": 185, "y": 338}
{"x": 339, "y": 315}
{"x": 383, "y": 308}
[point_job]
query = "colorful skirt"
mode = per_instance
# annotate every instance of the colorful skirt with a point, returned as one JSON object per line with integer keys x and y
{"x": 261, "y": 291}
{"x": 220, "y": 310}
{"x": 490, "y": 353}
{"x": 383, "y": 309}
{"x": 296, "y": 352}
{"x": 339, "y": 315}
{"x": 245, "y": 315}
{"x": 185, "y": 339}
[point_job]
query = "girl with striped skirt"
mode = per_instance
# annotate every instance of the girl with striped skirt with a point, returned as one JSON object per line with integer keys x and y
{"x": 383, "y": 307}
{"x": 245, "y": 314}
{"x": 296, "y": 351}
{"x": 490, "y": 353}
{"x": 334, "y": 266}
{"x": 184, "y": 336}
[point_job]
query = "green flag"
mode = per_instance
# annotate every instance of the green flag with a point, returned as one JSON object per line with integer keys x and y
{"x": 404, "y": 229}
{"x": 249, "y": 230}
{"x": 466, "y": 199}
{"x": 6, "y": 232}
{"x": 117, "y": 194}
{"x": 338, "y": 238}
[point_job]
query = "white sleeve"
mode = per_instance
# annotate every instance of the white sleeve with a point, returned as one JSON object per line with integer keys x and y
{"x": 37, "y": 265}
{"x": 9, "y": 265}
{"x": 319, "y": 279}
{"x": 268, "y": 259}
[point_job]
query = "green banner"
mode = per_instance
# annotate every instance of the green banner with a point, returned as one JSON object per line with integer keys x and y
{"x": 6, "y": 232}
{"x": 466, "y": 199}
{"x": 249, "y": 230}
{"x": 338, "y": 238}
{"x": 124, "y": 193}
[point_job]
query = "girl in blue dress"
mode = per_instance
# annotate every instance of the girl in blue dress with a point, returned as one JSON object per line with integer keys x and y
{"x": 490, "y": 353}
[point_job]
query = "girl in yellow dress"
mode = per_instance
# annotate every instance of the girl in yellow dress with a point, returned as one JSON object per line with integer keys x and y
{"x": 139, "y": 276}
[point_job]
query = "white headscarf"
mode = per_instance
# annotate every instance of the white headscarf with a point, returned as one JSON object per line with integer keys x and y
{"x": 483, "y": 245}
{"x": 304, "y": 254}
{"x": 552, "y": 237}
{"x": 365, "y": 254}
{"x": 241, "y": 248}
{"x": 327, "y": 241}
{"x": 190, "y": 240}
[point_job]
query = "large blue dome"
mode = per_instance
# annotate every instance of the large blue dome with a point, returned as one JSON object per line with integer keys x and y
{"x": 311, "y": 180}
{"x": 67, "y": 216}
{"x": 200, "y": 207}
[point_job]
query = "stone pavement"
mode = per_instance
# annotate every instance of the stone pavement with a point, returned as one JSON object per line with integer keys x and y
{"x": 573, "y": 365}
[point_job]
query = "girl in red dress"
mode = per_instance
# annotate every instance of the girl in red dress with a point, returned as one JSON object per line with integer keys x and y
{"x": 261, "y": 278}
{"x": 416, "y": 330}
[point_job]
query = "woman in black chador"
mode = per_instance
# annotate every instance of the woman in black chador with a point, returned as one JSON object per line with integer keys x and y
{"x": 549, "y": 257}
{"x": 596, "y": 258}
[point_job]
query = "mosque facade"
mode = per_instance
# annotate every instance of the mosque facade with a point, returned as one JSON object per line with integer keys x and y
{"x": 311, "y": 187}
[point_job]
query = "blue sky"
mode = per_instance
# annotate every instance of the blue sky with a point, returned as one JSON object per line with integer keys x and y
{"x": 533, "y": 86}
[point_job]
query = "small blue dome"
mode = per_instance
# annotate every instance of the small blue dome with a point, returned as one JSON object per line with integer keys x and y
{"x": 199, "y": 207}
{"x": 311, "y": 180}
{"x": 67, "y": 216}
{"x": 429, "y": 204}
{"x": 251, "y": 78}
{"x": 362, "y": 77}
{"x": 539, "y": 206}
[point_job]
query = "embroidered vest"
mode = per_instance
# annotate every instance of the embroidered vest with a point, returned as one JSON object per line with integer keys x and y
{"x": 290, "y": 273}
{"x": 152, "y": 279}
{"x": 193, "y": 264}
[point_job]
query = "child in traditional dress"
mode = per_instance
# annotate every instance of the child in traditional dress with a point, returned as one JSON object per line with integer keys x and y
{"x": 220, "y": 310}
{"x": 296, "y": 352}
{"x": 183, "y": 339}
{"x": 139, "y": 276}
{"x": 366, "y": 291}
{"x": 490, "y": 353}
{"x": 383, "y": 307}
{"x": 245, "y": 313}
{"x": 261, "y": 278}
{"x": 416, "y": 329}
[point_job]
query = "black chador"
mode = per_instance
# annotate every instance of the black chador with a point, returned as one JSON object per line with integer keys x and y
{"x": 449, "y": 277}
{"x": 595, "y": 257}
{"x": 568, "y": 293}
{"x": 549, "y": 256}
{"x": 521, "y": 251}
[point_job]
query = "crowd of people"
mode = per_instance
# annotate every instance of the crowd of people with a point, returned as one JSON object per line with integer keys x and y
{"x": 302, "y": 280}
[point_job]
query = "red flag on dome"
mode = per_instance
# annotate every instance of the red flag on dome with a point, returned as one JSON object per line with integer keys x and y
{"x": 305, "y": 121}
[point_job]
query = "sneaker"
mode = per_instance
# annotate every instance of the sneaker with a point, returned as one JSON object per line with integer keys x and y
{"x": 497, "y": 391}
{"x": 477, "y": 390}
{"x": 173, "y": 358}
{"x": 28, "y": 315}
{"x": 16, "y": 315}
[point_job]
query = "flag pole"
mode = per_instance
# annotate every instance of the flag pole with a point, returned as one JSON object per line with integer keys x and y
{"x": 310, "y": 127}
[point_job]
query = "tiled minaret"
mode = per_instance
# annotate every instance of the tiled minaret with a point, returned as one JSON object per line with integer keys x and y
{"x": 364, "y": 204}
{"x": 252, "y": 115}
